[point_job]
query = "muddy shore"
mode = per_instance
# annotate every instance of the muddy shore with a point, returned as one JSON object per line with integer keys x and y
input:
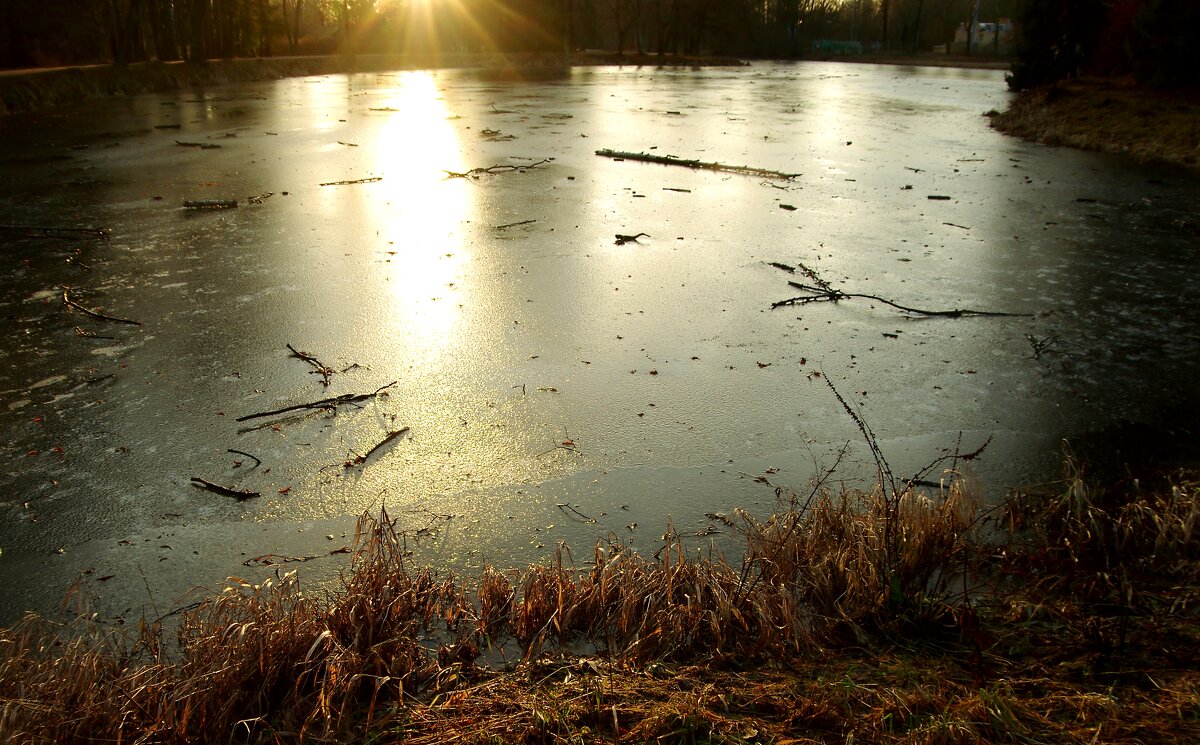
{"x": 1109, "y": 116}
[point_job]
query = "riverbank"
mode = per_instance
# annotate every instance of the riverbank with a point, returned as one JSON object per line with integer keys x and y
{"x": 32, "y": 90}
{"x": 1109, "y": 116}
{"x": 1061, "y": 617}
{"x": 925, "y": 59}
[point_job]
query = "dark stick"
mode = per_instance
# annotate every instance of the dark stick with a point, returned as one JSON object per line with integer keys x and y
{"x": 257, "y": 462}
{"x": 321, "y": 368}
{"x": 225, "y": 491}
{"x": 354, "y": 181}
{"x": 267, "y": 560}
{"x": 499, "y": 168}
{"x": 48, "y": 231}
{"x": 565, "y": 507}
{"x": 325, "y": 403}
{"x": 91, "y": 334}
{"x": 514, "y": 224}
{"x": 72, "y": 304}
{"x": 387, "y": 438}
{"x": 808, "y": 271}
{"x": 832, "y": 296}
{"x": 209, "y": 204}
{"x": 671, "y": 160}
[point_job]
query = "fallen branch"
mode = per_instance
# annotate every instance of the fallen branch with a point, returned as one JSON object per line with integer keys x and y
{"x": 92, "y": 334}
{"x": 671, "y": 160}
{"x": 567, "y": 507}
{"x": 491, "y": 170}
{"x": 201, "y": 145}
{"x": 353, "y": 181}
{"x": 76, "y": 306}
{"x": 359, "y": 460}
{"x": 209, "y": 204}
{"x": 830, "y": 295}
{"x": 50, "y": 231}
{"x": 811, "y": 274}
{"x": 1040, "y": 345}
{"x": 257, "y": 461}
{"x": 224, "y": 491}
{"x": 506, "y": 226}
{"x": 267, "y": 560}
{"x": 325, "y": 403}
{"x": 321, "y": 368}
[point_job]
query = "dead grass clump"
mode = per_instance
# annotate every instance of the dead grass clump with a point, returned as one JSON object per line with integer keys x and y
{"x": 670, "y": 607}
{"x": 1117, "y": 532}
{"x": 58, "y": 681}
{"x": 866, "y": 559}
{"x": 495, "y": 594}
{"x": 257, "y": 661}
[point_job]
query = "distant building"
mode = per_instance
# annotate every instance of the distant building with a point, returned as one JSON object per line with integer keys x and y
{"x": 990, "y": 38}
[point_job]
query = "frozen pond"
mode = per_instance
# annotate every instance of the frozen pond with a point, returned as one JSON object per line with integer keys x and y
{"x": 535, "y": 360}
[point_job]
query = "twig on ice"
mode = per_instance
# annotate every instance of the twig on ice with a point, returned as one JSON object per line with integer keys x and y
{"x": 506, "y": 226}
{"x": 49, "y": 231}
{"x": 320, "y": 367}
{"x": 325, "y": 403}
{"x": 76, "y": 306}
{"x": 358, "y": 460}
{"x": 237, "y": 494}
{"x": 501, "y": 168}
{"x": 671, "y": 160}
{"x": 201, "y": 145}
{"x": 353, "y": 181}
{"x": 209, "y": 204}
{"x": 830, "y": 295}
{"x": 257, "y": 461}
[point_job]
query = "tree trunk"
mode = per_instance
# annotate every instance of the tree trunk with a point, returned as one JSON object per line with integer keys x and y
{"x": 198, "y": 22}
{"x": 264, "y": 30}
{"x": 885, "y": 10}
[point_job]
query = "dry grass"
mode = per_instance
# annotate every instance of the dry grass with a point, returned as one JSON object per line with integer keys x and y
{"x": 1109, "y": 116}
{"x": 867, "y": 617}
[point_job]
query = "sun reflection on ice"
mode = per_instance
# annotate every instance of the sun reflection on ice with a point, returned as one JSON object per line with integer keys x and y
{"x": 422, "y": 215}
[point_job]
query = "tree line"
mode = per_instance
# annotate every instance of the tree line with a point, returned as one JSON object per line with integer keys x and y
{"x": 1158, "y": 41}
{"x": 124, "y": 31}
{"x": 1155, "y": 41}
